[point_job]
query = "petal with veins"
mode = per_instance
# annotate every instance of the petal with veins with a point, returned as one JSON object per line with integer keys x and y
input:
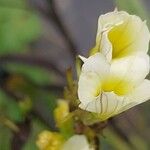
{"x": 93, "y": 71}
{"x": 106, "y": 105}
{"x": 109, "y": 104}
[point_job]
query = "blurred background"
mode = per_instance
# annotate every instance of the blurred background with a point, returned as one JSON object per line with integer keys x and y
{"x": 39, "y": 40}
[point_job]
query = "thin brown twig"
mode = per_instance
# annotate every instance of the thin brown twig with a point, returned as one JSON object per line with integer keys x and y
{"x": 96, "y": 142}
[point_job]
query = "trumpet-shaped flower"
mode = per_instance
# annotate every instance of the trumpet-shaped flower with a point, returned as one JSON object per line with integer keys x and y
{"x": 109, "y": 89}
{"x": 120, "y": 34}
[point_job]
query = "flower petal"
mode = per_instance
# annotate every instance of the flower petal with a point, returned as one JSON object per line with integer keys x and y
{"x": 77, "y": 142}
{"x": 139, "y": 95}
{"x": 109, "y": 104}
{"x": 120, "y": 34}
{"x": 109, "y": 20}
{"x": 88, "y": 86}
{"x": 130, "y": 37}
{"x": 133, "y": 68}
{"x": 93, "y": 71}
{"x": 96, "y": 63}
{"x": 82, "y": 58}
{"x": 106, "y": 105}
{"x": 105, "y": 23}
{"x": 136, "y": 97}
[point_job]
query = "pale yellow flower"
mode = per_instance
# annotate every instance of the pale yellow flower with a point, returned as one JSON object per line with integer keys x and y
{"x": 120, "y": 34}
{"x": 109, "y": 89}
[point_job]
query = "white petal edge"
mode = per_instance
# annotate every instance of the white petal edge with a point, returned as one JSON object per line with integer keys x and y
{"x": 93, "y": 71}
{"x": 96, "y": 63}
{"x": 105, "y": 23}
{"x": 87, "y": 85}
{"x": 133, "y": 68}
{"x": 82, "y": 58}
{"x": 77, "y": 142}
{"x": 140, "y": 95}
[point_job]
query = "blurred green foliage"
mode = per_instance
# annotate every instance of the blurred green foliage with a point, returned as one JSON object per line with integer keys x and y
{"x": 18, "y": 26}
{"x": 9, "y": 108}
{"x": 133, "y": 7}
{"x": 35, "y": 74}
{"x": 36, "y": 127}
{"x": 67, "y": 129}
{"x": 5, "y": 138}
{"x": 114, "y": 141}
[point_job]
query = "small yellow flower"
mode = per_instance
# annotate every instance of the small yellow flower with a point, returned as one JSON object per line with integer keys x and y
{"x": 49, "y": 141}
{"x": 120, "y": 34}
{"x": 61, "y": 111}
